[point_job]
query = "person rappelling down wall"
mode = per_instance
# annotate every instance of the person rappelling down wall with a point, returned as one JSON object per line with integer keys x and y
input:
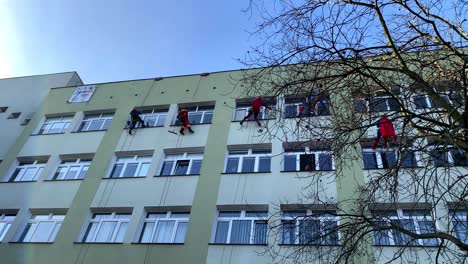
{"x": 134, "y": 119}
{"x": 255, "y": 110}
{"x": 182, "y": 116}
{"x": 385, "y": 130}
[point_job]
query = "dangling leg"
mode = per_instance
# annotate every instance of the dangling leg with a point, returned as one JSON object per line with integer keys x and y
{"x": 181, "y": 130}
{"x": 249, "y": 113}
{"x": 256, "y": 119}
{"x": 132, "y": 126}
{"x": 190, "y": 129}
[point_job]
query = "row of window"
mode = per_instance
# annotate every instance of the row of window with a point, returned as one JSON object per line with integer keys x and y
{"x": 238, "y": 161}
{"x": 298, "y": 227}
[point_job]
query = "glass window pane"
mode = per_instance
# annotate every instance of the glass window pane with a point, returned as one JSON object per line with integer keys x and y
{"x": 161, "y": 120}
{"x": 459, "y": 157}
{"x": 130, "y": 170}
{"x": 27, "y": 233}
{"x": 72, "y": 172}
{"x": 360, "y": 106}
{"x": 290, "y": 163}
{"x": 408, "y": 160}
{"x": 370, "y": 161}
{"x": 264, "y": 164}
{"x": 288, "y": 229}
{"x": 240, "y": 232}
{"x": 180, "y": 215}
{"x": 164, "y": 231}
{"x": 55, "y": 232}
{"x": 105, "y": 231}
{"x": 117, "y": 170}
{"x": 195, "y": 117}
{"x": 248, "y": 164}
{"x": 196, "y": 166}
{"x": 96, "y": 124}
{"x": 260, "y": 232}
{"x": 56, "y": 127}
{"x": 208, "y": 117}
{"x": 90, "y": 232}
{"x": 427, "y": 227}
{"x": 420, "y": 102}
{"x": 232, "y": 165}
{"x": 29, "y": 174}
{"x": 290, "y": 110}
{"x": 121, "y": 233}
{"x": 381, "y": 237}
{"x": 257, "y": 214}
{"x": 400, "y": 238}
{"x": 229, "y": 214}
{"x": 180, "y": 233}
{"x": 240, "y": 114}
{"x": 221, "y": 232}
{"x": 392, "y": 104}
{"x": 388, "y": 159}
{"x": 309, "y": 232}
{"x": 146, "y": 234}
{"x": 307, "y": 162}
{"x": 83, "y": 172}
{"x": 439, "y": 157}
{"x": 181, "y": 167}
{"x": 143, "y": 169}
{"x": 45, "y": 129}
{"x": 60, "y": 173}
{"x": 84, "y": 126}
{"x": 325, "y": 162}
{"x": 4, "y": 229}
{"x": 330, "y": 233}
{"x": 106, "y": 124}
{"x": 460, "y": 227}
{"x": 378, "y": 104}
{"x": 167, "y": 168}
{"x": 43, "y": 232}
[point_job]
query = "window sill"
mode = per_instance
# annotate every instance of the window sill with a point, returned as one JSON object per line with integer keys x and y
{"x": 98, "y": 243}
{"x": 126, "y": 128}
{"x": 177, "y": 175}
{"x": 237, "y": 121}
{"x": 19, "y": 242}
{"x": 47, "y": 134}
{"x": 155, "y": 243}
{"x": 234, "y": 244}
{"x": 309, "y": 171}
{"x": 174, "y": 125}
{"x": 51, "y": 180}
{"x": 302, "y": 116}
{"x": 17, "y": 181}
{"x": 128, "y": 177}
{"x": 256, "y": 172}
{"x": 401, "y": 168}
{"x": 412, "y": 246}
{"x": 308, "y": 245}
{"x": 88, "y": 131}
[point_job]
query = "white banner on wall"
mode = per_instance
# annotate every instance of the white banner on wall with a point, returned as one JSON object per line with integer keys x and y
{"x": 82, "y": 94}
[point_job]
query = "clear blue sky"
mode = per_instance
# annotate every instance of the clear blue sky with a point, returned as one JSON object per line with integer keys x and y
{"x": 112, "y": 40}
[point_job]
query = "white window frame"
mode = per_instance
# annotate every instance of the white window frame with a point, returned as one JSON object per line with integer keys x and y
{"x": 50, "y": 122}
{"x": 166, "y": 216}
{"x": 195, "y": 109}
{"x": 140, "y": 160}
{"x": 400, "y": 216}
{"x": 458, "y": 217}
{"x": 176, "y": 158}
{"x": 37, "y": 165}
{"x": 6, "y": 220}
{"x": 308, "y": 150}
{"x": 262, "y": 115}
{"x": 314, "y": 215}
{"x": 387, "y": 104}
{"x": 157, "y": 114}
{"x": 450, "y": 161}
{"x": 379, "y": 158}
{"x": 261, "y": 217}
{"x": 95, "y": 225}
{"x": 242, "y": 154}
{"x": 107, "y": 117}
{"x": 81, "y": 164}
{"x": 27, "y": 236}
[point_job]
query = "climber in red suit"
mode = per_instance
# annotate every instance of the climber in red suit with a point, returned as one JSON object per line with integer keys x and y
{"x": 255, "y": 110}
{"x": 385, "y": 130}
{"x": 182, "y": 115}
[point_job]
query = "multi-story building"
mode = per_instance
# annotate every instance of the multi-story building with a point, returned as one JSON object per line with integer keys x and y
{"x": 21, "y": 98}
{"x": 78, "y": 188}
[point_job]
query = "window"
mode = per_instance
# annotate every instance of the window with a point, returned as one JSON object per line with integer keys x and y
{"x": 360, "y": 105}
{"x": 5, "y": 223}
{"x": 154, "y": 117}
{"x": 132, "y": 166}
{"x": 424, "y": 101}
{"x": 248, "y": 161}
{"x": 388, "y": 159}
{"x": 95, "y": 122}
{"x": 198, "y": 114}
{"x": 166, "y": 227}
{"x": 241, "y": 227}
{"x": 25, "y": 121}
{"x": 443, "y": 156}
{"x": 243, "y": 108}
{"x": 460, "y": 224}
{"x": 72, "y": 169}
{"x": 181, "y": 164}
{"x": 3, "y": 109}
{"x": 383, "y": 103}
{"x": 14, "y": 115}
{"x": 42, "y": 228}
{"x": 306, "y": 159}
{"x": 107, "y": 227}
{"x": 416, "y": 221}
{"x": 55, "y": 125}
{"x": 305, "y": 227}
{"x": 28, "y": 171}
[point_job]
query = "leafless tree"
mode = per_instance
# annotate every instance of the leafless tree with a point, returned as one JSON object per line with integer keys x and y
{"x": 406, "y": 60}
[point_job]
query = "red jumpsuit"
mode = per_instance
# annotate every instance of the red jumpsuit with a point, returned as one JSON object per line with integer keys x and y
{"x": 255, "y": 109}
{"x": 182, "y": 116}
{"x": 385, "y": 130}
